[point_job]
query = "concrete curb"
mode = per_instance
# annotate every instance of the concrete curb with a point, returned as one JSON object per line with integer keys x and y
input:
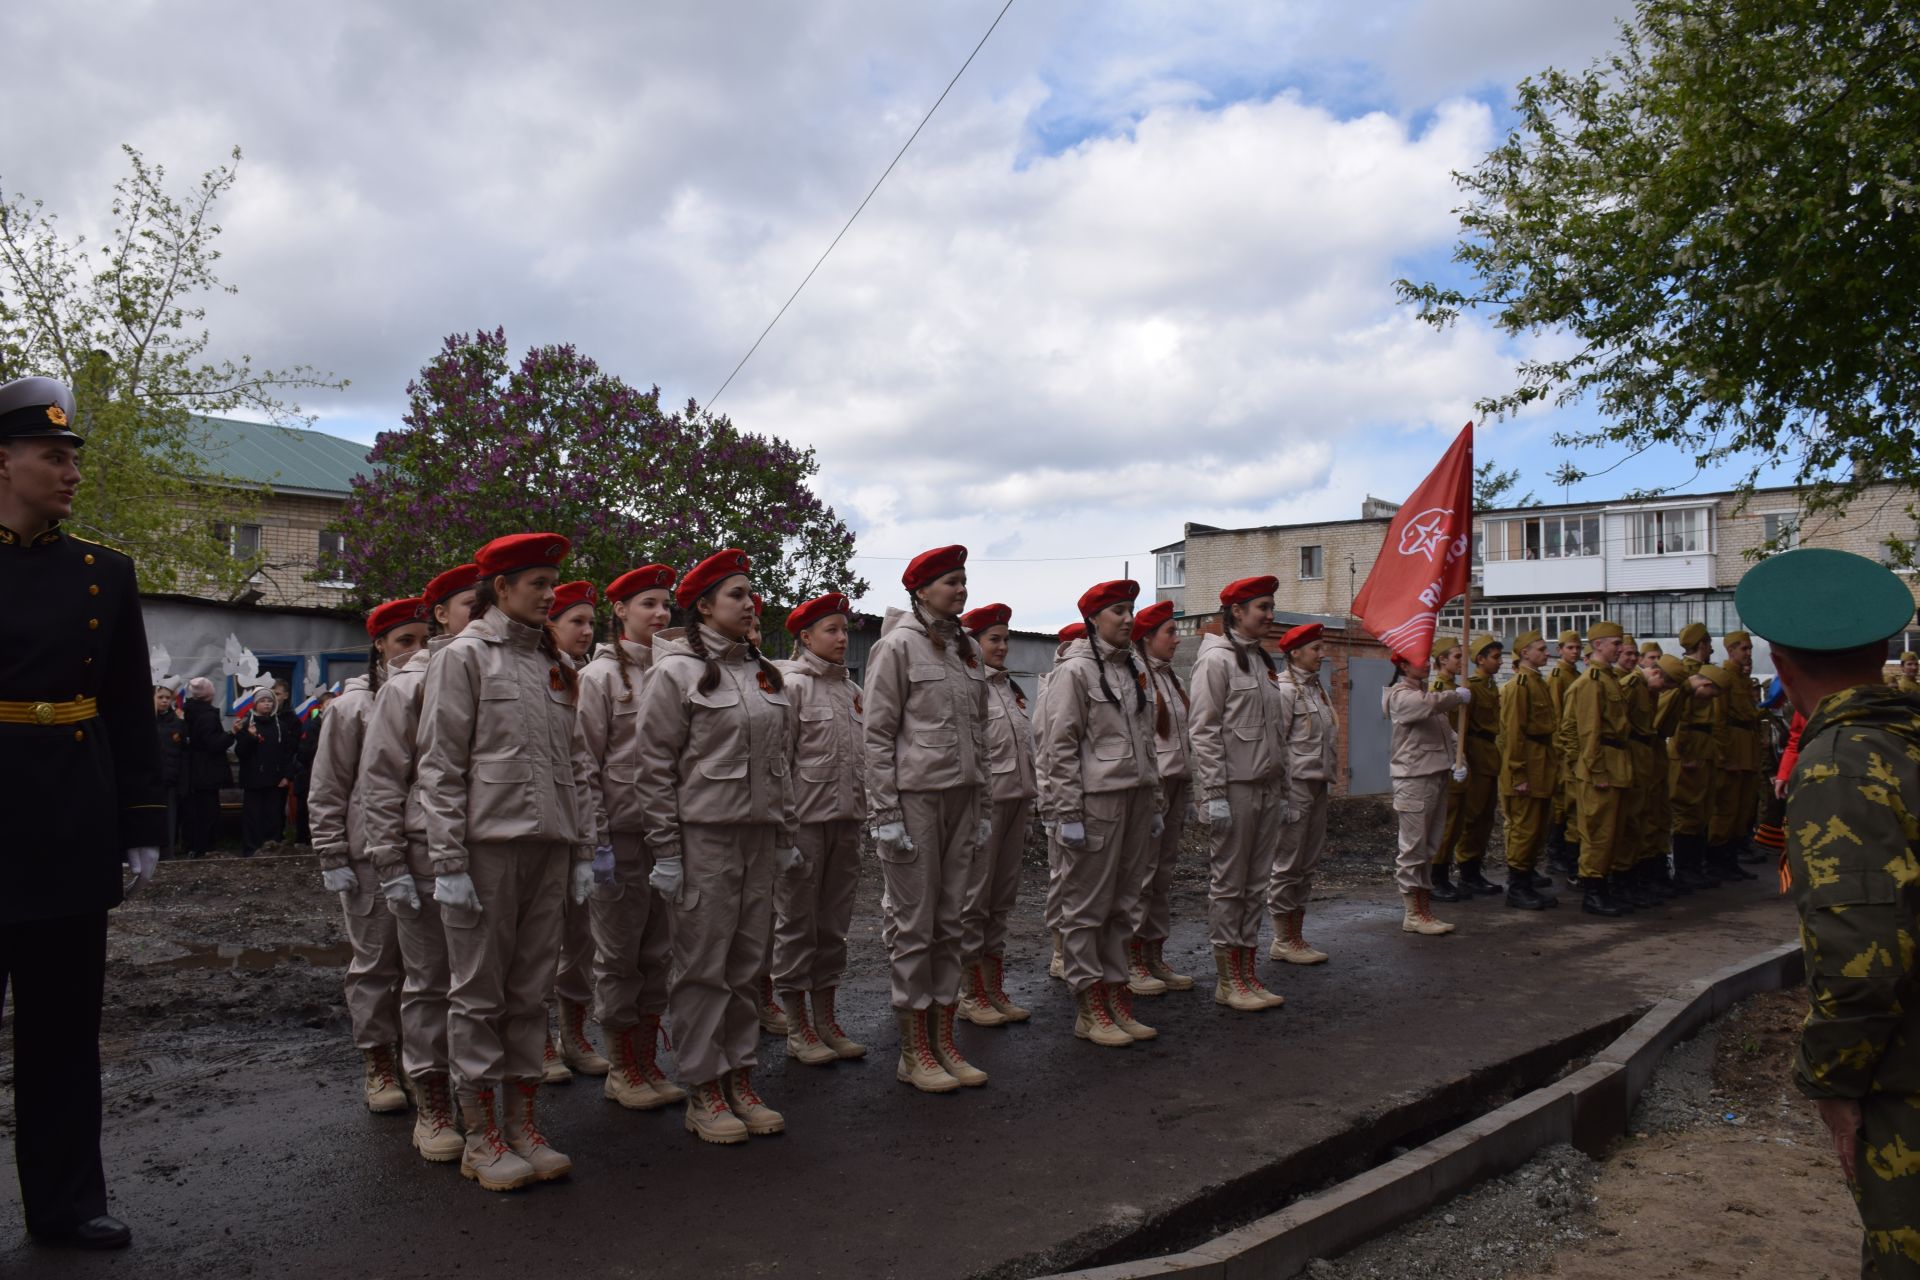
{"x": 1588, "y": 1108}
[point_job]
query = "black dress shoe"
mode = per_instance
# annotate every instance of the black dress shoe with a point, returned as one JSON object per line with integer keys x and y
{"x": 102, "y": 1232}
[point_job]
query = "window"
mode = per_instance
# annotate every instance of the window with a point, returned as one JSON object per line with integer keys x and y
{"x": 332, "y": 548}
{"x": 242, "y": 540}
{"x": 1781, "y": 528}
{"x": 1171, "y": 568}
{"x": 1543, "y": 537}
{"x": 1312, "y": 563}
{"x": 1667, "y": 533}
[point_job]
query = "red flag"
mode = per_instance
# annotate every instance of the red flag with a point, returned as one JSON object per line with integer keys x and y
{"x": 1426, "y": 559}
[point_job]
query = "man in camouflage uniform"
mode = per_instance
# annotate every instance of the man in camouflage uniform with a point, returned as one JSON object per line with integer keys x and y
{"x": 1853, "y": 858}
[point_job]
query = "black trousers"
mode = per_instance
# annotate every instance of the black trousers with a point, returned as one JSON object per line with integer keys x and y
{"x": 200, "y": 820}
{"x": 55, "y": 973}
{"x": 263, "y": 816}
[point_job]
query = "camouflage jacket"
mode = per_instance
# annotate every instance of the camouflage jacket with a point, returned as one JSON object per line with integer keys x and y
{"x": 1853, "y": 827}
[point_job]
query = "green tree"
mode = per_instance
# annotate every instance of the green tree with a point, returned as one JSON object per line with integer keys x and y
{"x": 1490, "y": 485}
{"x": 122, "y": 324}
{"x": 1723, "y": 216}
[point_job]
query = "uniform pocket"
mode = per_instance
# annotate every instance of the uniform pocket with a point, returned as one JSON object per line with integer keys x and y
{"x": 810, "y": 714}
{"x": 609, "y": 892}
{"x": 818, "y": 769}
{"x": 721, "y": 695}
{"x": 689, "y": 899}
{"x": 1111, "y": 749}
{"x": 896, "y": 853}
{"x": 1409, "y": 797}
{"x": 920, "y": 672}
{"x": 624, "y": 775}
{"x": 936, "y": 739}
{"x": 459, "y": 917}
{"x": 724, "y": 770}
{"x": 498, "y": 688}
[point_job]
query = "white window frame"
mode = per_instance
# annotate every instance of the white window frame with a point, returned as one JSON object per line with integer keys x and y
{"x": 1772, "y": 523}
{"x": 1650, "y": 525}
{"x": 1174, "y": 560}
{"x": 1496, "y": 542}
{"x": 1318, "y": 553}
{"x": 229, "y": 533}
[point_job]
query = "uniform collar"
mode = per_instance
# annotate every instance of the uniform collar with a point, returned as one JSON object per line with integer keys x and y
{"x": 46, "y": 537}
{"x": 815, "y": 665}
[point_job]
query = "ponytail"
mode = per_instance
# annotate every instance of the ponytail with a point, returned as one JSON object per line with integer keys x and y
{"x": 1240, "y": 651}
{"x": 622, "y": 663}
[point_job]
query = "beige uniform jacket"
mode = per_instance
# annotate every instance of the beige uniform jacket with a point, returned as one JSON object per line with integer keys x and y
{"x": 389, "y": 790}
{"x": 1164, "y": 685}
{"x": 1312, "y": 728}
{"x": 829, "y": 760}
{"x": 333, "y": 799}
{"x": 609, "y": 722}
{"x": 1010, "y": 740}
{"x": 1095, "y": 743}
{"x": 719, "y": 758}
{"x": 1601, "y": 727}
{"x": 1528, "y": 719}
{"x": 926, "y": 726}
{"x": 501, "y": 756}
{"x": 1422, "y": 723}
{"x": 1043, "y": 797}
{"x": 1238, "y": 731}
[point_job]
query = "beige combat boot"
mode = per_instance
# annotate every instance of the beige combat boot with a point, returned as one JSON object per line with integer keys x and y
{"x": 940, "y": 1027}
{"x": 522, "y": 1132}
{"x": 627, "y": 1082}
{"x": 1227, "y": 987}
{"x": 575, "y": 1049}
{"x": 1250, "y": 978}
{"x": 803, "y": 1042}
{"x": 827, "y": 1026}
{"x": 486, "y": 1158}
{"x": 976, "y": 1002}
{"x": 997, "y": 990}
{"x": 710, "y": 1119}
{"x": 1120, "y": 1007}
{"x": 647, "y": 1045}
{"x": 919, "y": 1066}
{"x": 553, "y": 1068}
{"x": 1140, "y": 979}
{"x": 1419, "y": 916}
{"x": 773, "y": 1019}
{"x": 1289, "y": 945}
{"x": 382, "y": 1084}
{"x": 760, "y": 1119}
{"x": 1092, "y": 1020}
{"x": 1057, "y": 967}
{"x": 1157, "y": 966}
{"x": 436, "y": 1136}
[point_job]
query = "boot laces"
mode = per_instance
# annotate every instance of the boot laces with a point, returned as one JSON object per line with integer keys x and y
{"x": 804, "y": 1029}
{"x": 491, "y": 1135}
{"x": 1120, "y": 1002}
{"x": 380, "y": 1067}
{"x": 630, "y": 1066}
{"x": 549, "y": 1055}
{"x": 577, "y": 1027}
{"x": 743, "y": 1090}
{"x": 716, "y": 1099}
{"x": 528, "y": 1128}
{"x": 923, "y": 1045}
{"x": 1097, "y": 1006}
{"x": 947, "y": 1046}
{"x": 650, "y": 1031}
{"x": 439, "y": 1103}
{"x": 978, "y": 985}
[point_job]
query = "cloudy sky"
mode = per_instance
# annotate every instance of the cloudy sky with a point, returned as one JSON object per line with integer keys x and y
{"x": 1135, "y": 272}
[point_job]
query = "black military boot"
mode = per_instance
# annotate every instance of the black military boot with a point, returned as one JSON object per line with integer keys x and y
{"x": 1615, "y": 889}
{"x": 1652, "y": 876}
{"x": 1474, "y": 880}
{"x": 1521, "y": 893}
{"x": 1671, "y": 877}
{"x": 1727, "y": 863}
{"x": 1572, "y": 869}
{"x": 1690, "y": 855}
{"x": 1748, "y": 854}
{"x": 1443, "y": 890}
{"x": 1594, "y": 900}
{"x": 1628, "y": 884}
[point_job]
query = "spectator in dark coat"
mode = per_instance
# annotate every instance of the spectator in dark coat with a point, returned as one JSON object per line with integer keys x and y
{"x": 303, "y": 771}
{"x": 268, "y": 754}
{"x": 172, "y": 731}
{"x": 208, "y": 769}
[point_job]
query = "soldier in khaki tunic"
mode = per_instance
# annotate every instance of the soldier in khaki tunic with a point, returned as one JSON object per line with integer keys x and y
{"x": 1603, "y": 767}
{"x": 1736, "y": 798}
{"x": 1528, "y": 772}
{"x": 1693, "y": 755}
{"x": 1444, "y": 677}
{"x": 1908, "y": 680}
{"x": 1663, "y": 674}
{"x": 1630, "y": 874}
{"x": 1562, "y": 838}
{"x": 1853, "y": 807}
{"x": 1482, "y": 794}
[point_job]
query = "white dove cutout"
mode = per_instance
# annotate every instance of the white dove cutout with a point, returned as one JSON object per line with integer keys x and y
{"x": 312, "y": 682}
{"x": 160, "y": 665}
{"x": 238, "y": 661}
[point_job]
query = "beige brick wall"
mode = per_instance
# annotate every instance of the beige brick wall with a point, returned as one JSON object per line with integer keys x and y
{"x": 1215, "y": 559}
{"x": 1863, "y": 528}
{"x": 290, "y": 527}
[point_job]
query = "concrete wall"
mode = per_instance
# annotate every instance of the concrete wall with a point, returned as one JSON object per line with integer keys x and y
{"x": 1348, "y": 549}
{"x": 194, "y": 633}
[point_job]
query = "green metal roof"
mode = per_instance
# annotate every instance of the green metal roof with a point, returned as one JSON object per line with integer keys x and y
{"x": 288, "y": 458}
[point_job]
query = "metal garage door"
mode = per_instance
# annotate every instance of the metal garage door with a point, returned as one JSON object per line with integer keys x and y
{"x": 1367, "y": 729}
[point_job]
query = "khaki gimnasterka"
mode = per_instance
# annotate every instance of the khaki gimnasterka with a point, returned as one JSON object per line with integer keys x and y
{"x": 1456, "y": 791}
{"x": 1643, "y": 751}
{"x": 1483, "y": 770}
{"x": 1527, "y": 721}
{"x": 1603, "y": 767}
{"x": 1657, "y": 829}
{"x": 1737, "y": 791}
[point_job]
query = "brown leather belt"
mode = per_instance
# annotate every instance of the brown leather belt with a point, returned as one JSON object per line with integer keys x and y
{"x": 1613, "y": 742}
{"x": 1483, "y": 734}
{"x": 46, "y": 713}
{"x": 1540, "y": 737}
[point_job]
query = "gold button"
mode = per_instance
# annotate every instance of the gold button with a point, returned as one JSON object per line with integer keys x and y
{"x": 89, "y": 559}
{"x": 79, "y": 735}
{"x": 93, "y": 624}
{"x": 87, "y": 660}
{"x": 94, "y": 590}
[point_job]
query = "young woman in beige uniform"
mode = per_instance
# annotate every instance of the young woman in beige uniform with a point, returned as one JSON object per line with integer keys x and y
{"x": 1156, "y": 640}
{"x": 773, "y": 1018}
{"x": 813, "y": 907}
{"x": 396, "y": 843}
{"x": 993, "y": 887}
{"x": 1043, "y": 804}
{"x": 628, "y": 918}
{"x": 1238, "y": 737}
{"x": 1103, "y": 777}
{"x": 1312, "y": 743}
{"x": 502, "y": 775}
{"x": 926, "y": 750}
{"x": 374, "y": 974}
{"x": 717, "y": 800}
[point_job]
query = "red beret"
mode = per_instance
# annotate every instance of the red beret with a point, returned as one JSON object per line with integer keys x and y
{"x": 1249, "y": 589}
{"x": 987, "y": 615}
{"x": 519, "y": 551}
{"x": 1072, "y": 631}
{"x": 451, "y": 583}
{"x": 648, "y": 577}
{"x": 817, "y": 608}
{"x": 1305, "y": 633}
{"x": 395, "y": 613}
{"x": 709, "y": 573}
{"x": 1148, "y": 620}
{"x": 928, "y": 565}
{"x": 569, "y": 594}
{"x": 1100, "y": 595}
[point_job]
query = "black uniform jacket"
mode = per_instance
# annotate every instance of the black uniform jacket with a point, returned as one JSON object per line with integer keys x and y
{"x": 77, "y": 795}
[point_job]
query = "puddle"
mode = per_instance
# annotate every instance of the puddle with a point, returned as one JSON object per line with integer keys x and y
{"x": 231, "y": 955}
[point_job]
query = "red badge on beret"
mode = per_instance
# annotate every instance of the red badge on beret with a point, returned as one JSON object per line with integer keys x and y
{"x": 1102, "y": 594}
{"x": 709, "y": 573}
{"x": 451, "y": 583}
{"x": 648, "y": 577}
{"x": 1304, "y": 634}
{"x": 1072, "y": 631}
{"x": 928, "y": 565}
{"x": 1149, "y": 619}
{"x": 395, "y": 613}
{"x": 1246, "y": 589}
{"x": 987, "y": 615}
{"x": 568, "y": 595}
{"x": 519, "y": 551}
{"x": 816, "y": 609}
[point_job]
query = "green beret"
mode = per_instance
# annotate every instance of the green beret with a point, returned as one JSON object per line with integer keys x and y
{"x": 1822, "y": 600}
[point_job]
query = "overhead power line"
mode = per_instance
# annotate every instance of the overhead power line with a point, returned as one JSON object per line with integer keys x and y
{"x": 863, "y": 204}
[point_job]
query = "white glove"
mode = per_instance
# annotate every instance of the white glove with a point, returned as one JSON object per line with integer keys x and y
{"x": 402, "y": 892}
{"x": 984, "y": 832}
{"x": 1073, "y": 835}
{"x": 1159, "y": 826}
{"x": 1047, "y": 825}
{"x": 583, "y": 878}
{"x": 339, "y": 880}
{"x": 143, "y": 862}
{"x": 667, "y": 877}
{"x": 788, "y": 861}
{"x": 1219, "y": 814}
{"x": 1464, "y": 694}
{"x": 1193, "y": 814}
{"x": 893, "y": 833}
{"x": 456, "y": 890}
{"x": 603, "y": 865}
{"x": 1459, "y": 773}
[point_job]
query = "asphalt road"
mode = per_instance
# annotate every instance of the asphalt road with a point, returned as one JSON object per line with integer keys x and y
{"x": 259, "y": 1159}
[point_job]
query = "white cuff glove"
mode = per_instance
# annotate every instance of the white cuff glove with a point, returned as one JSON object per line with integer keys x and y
{"x": 788, "y": 862}
{"x": 1047, "y": 825}
{"x": 339, "y": 880}
{"x": 1073, "y": 835}
{"x": 895, "y": 834}
{"x": 1219, "y": 814}
{"x": 603, "y": 865}
{"x": 1464, "y": 694}
{"x": 456, "y": 890}
{"x": 984, "y": 832}
{"x": 583, "y": 878}
{"x": 1159, "y": 826}
{"x": 1193, "y": 814}
{"x": 667, "y": 876}
{"x": 402, "y": 892}
{"x": 1459, "y": 773}
{"x": 143, "y": 862}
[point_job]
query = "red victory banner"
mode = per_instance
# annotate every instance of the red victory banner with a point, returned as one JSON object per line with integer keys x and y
{"x": 1425, "y": 559}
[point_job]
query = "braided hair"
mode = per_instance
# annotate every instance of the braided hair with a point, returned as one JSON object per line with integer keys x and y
{"x": 1139, "y": 682}
{"x": 376, "y": 667}
{"x": 484, "y": 599}
{"x": 711, "y": 676}
{"x": 939, "y": 642}
{"x": 1162, "y": 724}
{"x": 1240, "y": 651}
{"x": 622, "y": 663}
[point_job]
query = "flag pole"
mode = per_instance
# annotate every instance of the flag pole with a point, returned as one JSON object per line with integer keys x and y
{"x": 1466, "y": 625}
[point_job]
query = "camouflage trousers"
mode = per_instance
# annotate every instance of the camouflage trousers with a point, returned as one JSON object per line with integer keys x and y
{"x": 1888, "y": 1186}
